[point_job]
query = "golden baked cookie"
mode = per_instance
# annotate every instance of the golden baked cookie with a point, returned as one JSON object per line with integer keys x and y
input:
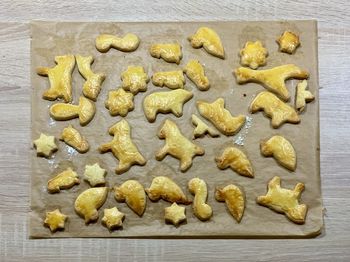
{"x": 202, "y": 128}
{"x": 85, "y": 110}
{"x": 113, "y": 218}
{"x": 170, "y": 79}
{"x": 168, "y": 52}
{"x": 253, "y": 55}
{"x": 89, "y": 201}
{"x": 60, "y": 77}
{"x": 281, "y": 149}
{"x": 92, "y": 85}
{"x": 119, "y": 102}
{"x": 175, "y": 214}
{"x": 177, "y": 145}
{"x": 123, "y": 147}
{"x": 234, "y": 199}
{"x": 272, "y": 79}
{"x": 164, "y": 188}
{"x": 127, "y": 43}
{"x": 133, "y": 193}
{"x": 284, "y": 201}
{"x": 235, "y": 159}
{"x": 95, "y": 175}
{"x": 274, "y": 108}
{"x": 302, "y": 96}
{"x": 288, "y": 42}
{"x": 134, "y": 79}
{"x": 55, "y": 220}
{"x": 165, "y": 102}
{"x": 220, "y": 117}
{"x": 73, "y": 138}
{"x": 208, "y": 39}
{"x": 201, "y": 209}
{"x": 195, "y": 72}
{"x": 64, "y": 180}
{"x": 45, "y": 145}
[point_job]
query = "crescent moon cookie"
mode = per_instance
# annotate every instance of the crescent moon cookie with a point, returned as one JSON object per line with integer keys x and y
{"x": 133, "y": 193}
{"x": 202, "y": 128}
{"x": 234, "y": 199}
{"x": 195, "y": 72}
{"x": 165, "y": 102}
{"x": 170, "y": 53}
{"x": 92, "y": 85}
{"x": 119, "y": 102}
{"x": 274, "y": 108}
{"x": 281, "y": 149}
{"x": 302, "y": 96}
{"x": 113, "y": 218}
{"x": 60, "y": 77}
{"x": 89, "y": 201}
{"x": 201, "y": 209}
{"x": 220, "y": 117}
{"x": 272, "y": 79}
{"x": 164, "y": 188}
{"x": 55, "y": 220}
{"x": 127, "y": 43}
{"x": 123, "y": 147}
{"x": 175, "y": 214}
{"x": 177, "y": 145}
{"x": 134, "y": 79}
{"x": 284, "y": 201}
{"x": 64, "y": 180}
{"x": 208, "y": 39}
{"x": 235, "y": 159}
{"x": 170, "y": 79}
{"x": 45, "y": 145}
{"x": 73, "y": 138}
{"x": 253, "y": 54}
{"x": 288, "y": 42}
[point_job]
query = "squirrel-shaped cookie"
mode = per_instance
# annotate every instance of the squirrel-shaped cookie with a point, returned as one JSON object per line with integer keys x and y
{"x": 199, "y": 189}
{"x": 170, "y": 53}
{"x": 302, "y": 96}
{"x": 171, "y": 79}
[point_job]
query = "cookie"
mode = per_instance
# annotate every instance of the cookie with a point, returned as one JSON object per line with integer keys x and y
{"x": 92, "y": 85}
{"x": 73, "y": 138}
{"x": 281, "y": 149}
{"x": 85, "y": 110}
{"x": 302, "y": 96}
{"x": 165, "y": 102}
{"x": 119, "y": 102}
{"x": 95, "y": 175}
{"x": 175, "y": 214}
{"x": 164, "y": 188}
{"x": 123, "y": 147}
{"x": 177, "y": 145}
{"x": 55, "y": 220}
{"x": 202, "y": 128}
{"x": 220, "y": 117}
{"x": 89, "y": 201}
{"x": 134, "y": 79}
{"x": 208, "y": 39}
{"x": 133, "y": 193}
{"x": 272, "y": 79}
{"x": 274, "y": 108}
{"x": 253, "y": 55}
{"x": 60, "y": 77}
{"x": 170, "y": 79}
{"x": 127, "y": 43}
{"x": 234, "y": 199}
{"x": 235, "y": 159}
{"x": 170, "y": 53}
{"x": 284, "y": 201}
{"x": 45, "y": 145}
{"x": 195, "y": 72}
{"x": 201, "y": 209}
{"x": 288, "y": 42}
{"x": 64, "y": 180}
{"x": 113, "y": 218}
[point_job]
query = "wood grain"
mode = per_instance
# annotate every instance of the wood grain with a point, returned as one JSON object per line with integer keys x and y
{"x": 334, "y": 53}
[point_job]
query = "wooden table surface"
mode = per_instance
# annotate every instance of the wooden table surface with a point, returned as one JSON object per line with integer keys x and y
{"x": 334, "y": 67}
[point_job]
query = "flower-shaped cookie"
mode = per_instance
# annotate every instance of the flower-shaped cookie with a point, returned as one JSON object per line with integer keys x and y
{"x": 288, "y": 42}
{"x": 119, "y": 102}
{"x": 253, "y": 54}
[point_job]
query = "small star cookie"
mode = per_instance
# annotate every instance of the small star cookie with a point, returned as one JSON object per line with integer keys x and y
{"x": 113, "y": 218}
{"x": 55, "y": 220}
{"x": 288, "y": 42}
{"x": 45, "y": 145}
{"x": 95, "y": 175}
{"x": 253, "y": 54}
{"x": 119, "y": 102}
{"x": 175, "y": 214}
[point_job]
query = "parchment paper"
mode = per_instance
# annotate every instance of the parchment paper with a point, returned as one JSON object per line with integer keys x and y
{"x": 50, "y": 39}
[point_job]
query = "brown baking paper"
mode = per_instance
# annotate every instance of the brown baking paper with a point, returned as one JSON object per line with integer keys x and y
{"x": 50, "y": 39}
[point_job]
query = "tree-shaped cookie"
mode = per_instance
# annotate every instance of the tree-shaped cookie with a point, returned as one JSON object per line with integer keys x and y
{"x": 302, "y": 96}
{"x": 201, "y": 128}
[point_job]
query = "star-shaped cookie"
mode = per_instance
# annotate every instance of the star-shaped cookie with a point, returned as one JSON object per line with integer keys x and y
{"x": 55, "y": 220}
{"x": 95, "y": 175}
{"x": 113, "y": 218}
{"x": 119, "y": 102}
{"x": 175, "y": 214}
{"x": 45, "y": 145}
